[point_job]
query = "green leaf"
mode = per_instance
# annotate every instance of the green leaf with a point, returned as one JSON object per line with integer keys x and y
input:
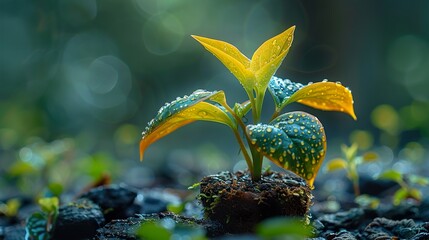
{"x": 295, "y": 141}
{"x": 232, "y": 58}
{"x": 153, "y": 231}
{"x": 54, "y": 189}
{"x": 176, "y": 208}
{"x": 36, "y": 226}
{"x": 416, "y": 179}
{"x": 391, "y": 175}
{"x": 336, "y": 164}
{"x": 415, "y": 194}
{"x": 328, "y": 96}
{"x": 183, "y": 111}
{"x": 269, "y": 56}
{"x": 399, "y": 196}
{"x": 282, "y": 89}
{"x": 49, "y": 205}
{"x": 10, "y": 208}
{"x": 350, "y": 152}
{"x": 274, "y": 228}
{"x": 367, "y": 201}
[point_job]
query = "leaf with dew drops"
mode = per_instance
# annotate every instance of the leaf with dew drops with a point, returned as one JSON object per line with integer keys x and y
{"x": 295, "y": 141}
{"x": 328, "y": 96}
{"x": 282, "y": 89}
{"x": 183, "y": 111}
{"x": 232, "y": 58}
{"x": 269, "y": 56}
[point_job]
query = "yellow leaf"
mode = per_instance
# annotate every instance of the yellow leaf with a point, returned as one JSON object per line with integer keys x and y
{"x": 370, "y": 156}
{"x": 328, "y": 96}
{"x": 232, "y": 58}
{"x": 201, "y": 111}
{"x": 336, "y": 164}
{"x": 269, "y": 56}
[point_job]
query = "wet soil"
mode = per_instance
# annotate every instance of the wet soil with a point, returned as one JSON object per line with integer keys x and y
{"x": 238, "y": 204}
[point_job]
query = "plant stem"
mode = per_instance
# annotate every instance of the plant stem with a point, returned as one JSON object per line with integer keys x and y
{"x": 244, "y": 151}
{"x": 239, "y": 139}
{"x": 356, "y": 186}
{"x": 257, "y": 165}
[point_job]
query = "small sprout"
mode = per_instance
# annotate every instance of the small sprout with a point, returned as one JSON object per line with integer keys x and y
{"x": 367, "y": 201}
{"x": 195, "y": 185}
{"x": 295, "y": 141}
{"x": 350, "y": 163}
{"x": 406, "y": 190}
{"x": 40, "y": 224}
{"x": 10, "y": 207}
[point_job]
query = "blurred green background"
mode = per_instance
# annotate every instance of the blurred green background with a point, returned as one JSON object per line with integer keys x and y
{"x": 80, "y": 79}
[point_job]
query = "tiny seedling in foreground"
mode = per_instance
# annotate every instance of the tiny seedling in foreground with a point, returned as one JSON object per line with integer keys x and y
{"x": 295, "y": 141}
{"x": 350, "y": 163}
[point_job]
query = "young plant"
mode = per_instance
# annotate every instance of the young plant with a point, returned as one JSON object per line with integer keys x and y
{"x": 350, "y": 163}
{"x": 406, "y": 190}
{"x": 40, "y": 224}
{"x": 295, "y": 141}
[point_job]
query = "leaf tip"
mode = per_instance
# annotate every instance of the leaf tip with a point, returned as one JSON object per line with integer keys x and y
{"x": 352, "y": 114}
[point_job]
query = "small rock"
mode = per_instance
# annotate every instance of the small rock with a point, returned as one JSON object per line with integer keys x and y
{"x": 342, "y": 235}
{"x": 383, "y": 227}
{"x": 78, "y": 220}
{"x": 116, "y": 201}
{"x": 405, "y": 210}
{"x": 341, "y": 220}
{"x": 16, "y": 232}
{"x": 155, "y": 201}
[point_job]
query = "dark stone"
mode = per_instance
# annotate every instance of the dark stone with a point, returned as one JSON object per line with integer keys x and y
{"x": 405, "y": 210}
{"x": 342, "y": 235}
{"x": 116, "y": 201}
{"x": 421, "y": 236}
{"x": 16, "y": 232}
{"x": 386, "y": 228}
{"x": 343, "y": 220}
{"x": 239, "y": 204}
{"x": 155, "y": 201}
{"x": 424, "y": 210}
{"x": 78, "y": 220}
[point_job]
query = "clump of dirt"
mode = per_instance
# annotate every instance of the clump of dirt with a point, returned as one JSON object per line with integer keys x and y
{"x": 238, "y": 204}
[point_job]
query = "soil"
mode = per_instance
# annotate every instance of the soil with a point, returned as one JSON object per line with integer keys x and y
{"x": 238, "y": 204}
{"x": 116, "y": 211}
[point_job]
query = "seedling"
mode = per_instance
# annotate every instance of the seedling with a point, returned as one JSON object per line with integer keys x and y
{"x": 295, "y": 141}
{"x": 406, "y": 190}
{"x": 350, "y": 163}
{"x": 40, "y": 224}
